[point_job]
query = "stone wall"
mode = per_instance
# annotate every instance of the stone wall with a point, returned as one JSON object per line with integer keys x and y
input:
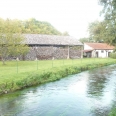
{"x": 60, "y": 53}
{"x": 50, "y": 52}
{"x": 75, "y": 52}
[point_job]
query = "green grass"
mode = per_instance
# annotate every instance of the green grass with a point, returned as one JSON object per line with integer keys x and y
{"x": 20, "y": 74}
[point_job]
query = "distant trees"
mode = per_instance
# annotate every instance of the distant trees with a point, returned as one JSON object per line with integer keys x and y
{"x": 39, "y": 27}
{"x": 84, "y": 39}
{"x": 65, "y": 33}
{"x": 34, "y": 26}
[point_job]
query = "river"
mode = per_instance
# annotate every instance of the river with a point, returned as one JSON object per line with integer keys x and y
{"x": 90, "y": 93}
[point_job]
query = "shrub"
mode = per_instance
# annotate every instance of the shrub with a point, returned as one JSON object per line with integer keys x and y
{"x": 112, "y": 112}
{"x": 113, "y": 55}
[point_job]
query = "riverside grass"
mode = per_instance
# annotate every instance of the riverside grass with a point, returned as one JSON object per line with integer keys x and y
{"x": 16, "y": 75}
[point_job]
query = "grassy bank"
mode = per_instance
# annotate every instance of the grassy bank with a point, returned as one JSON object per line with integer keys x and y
{"x": 112, "y": 112}
{"x": 17, "y": 75}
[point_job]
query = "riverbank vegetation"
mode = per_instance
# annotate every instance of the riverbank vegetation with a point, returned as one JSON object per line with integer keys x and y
{"x": 17, "y": 75}
{"x": 112, "y": 112}
{"x": 113, "y": 55}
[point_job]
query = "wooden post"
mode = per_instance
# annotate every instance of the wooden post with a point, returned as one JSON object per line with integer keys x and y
{"x": 81, "y": 51}
{"x": 52, "y": 52}
{"x": 52, "y": 56}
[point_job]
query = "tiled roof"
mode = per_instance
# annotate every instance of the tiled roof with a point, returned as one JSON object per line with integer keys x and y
{"x": 50, "y": 40}
{"x": 100, "y": 46}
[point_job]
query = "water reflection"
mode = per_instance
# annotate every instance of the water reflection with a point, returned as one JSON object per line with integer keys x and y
{"x": 91, "y": 93}
{"x": 101, "y": 88}
{"x": 97, "y": 82}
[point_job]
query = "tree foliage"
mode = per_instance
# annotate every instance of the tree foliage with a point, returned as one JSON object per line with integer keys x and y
{"x": 83, "y": 40}
{"x": 109, "y": 12}
{"x": 33, "y": 26}
{"x": 11, "y": 32}
{"x": 109, "y": 9}
{"x": 11, "y": 39}
{"x": 97, "y": 31}
{"x": 102, "y": 32}
{"x": 39, "y": 27}
{"x": 65, "y": 33}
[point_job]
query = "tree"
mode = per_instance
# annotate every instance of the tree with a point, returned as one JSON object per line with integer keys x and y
{"x": 109, "y": 11}
{"x": 35, "y": 27}
{"x": 65, "y": 33}
{"x": 97, "y": 31}
{"x": 39, "y": 27}
{"x": 83, "y": 40}
{"x": 11, "y": 40}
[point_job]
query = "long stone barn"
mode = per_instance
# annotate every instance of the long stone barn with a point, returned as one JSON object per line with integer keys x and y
{"x": 45, "y": 47}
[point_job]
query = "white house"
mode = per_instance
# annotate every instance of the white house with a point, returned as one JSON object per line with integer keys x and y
{"x": 101, "y": 50}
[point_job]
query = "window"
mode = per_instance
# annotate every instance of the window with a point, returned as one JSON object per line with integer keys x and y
{"x": 102, "y": 51}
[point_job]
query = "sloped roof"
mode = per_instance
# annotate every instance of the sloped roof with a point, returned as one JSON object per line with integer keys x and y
{"x": 100, "y": 46}
{"x": 50, "y": 40}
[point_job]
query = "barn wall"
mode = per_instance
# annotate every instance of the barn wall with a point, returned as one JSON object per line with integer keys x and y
{"x": 52, "y": 52}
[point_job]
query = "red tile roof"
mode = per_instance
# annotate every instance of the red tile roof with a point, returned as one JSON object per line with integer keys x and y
{"x": 100, "y": 46}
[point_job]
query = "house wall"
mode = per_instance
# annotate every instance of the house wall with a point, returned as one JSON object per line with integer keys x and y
{"x": 101, "y": 53}
{"x": 53, "y": 52}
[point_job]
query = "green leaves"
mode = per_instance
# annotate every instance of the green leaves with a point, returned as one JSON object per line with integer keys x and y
{"x": 97, "y": 31}
{"x": 11, "y": 39}
{"x": 28, "y": 26}
{"x": 109, "y": 12}
{"x": 39, "y": 27}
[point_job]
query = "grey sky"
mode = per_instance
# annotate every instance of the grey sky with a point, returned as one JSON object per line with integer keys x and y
{"x": 65, "y": 15}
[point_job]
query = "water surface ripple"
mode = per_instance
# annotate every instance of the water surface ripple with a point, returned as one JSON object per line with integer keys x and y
{"x": 90, "y": 93}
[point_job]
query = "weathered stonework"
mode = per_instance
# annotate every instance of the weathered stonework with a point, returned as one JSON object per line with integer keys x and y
{"x": 46, "y": 47}
{"x": 52, "y": 52}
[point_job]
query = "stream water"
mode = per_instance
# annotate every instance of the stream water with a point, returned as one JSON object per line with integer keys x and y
{"x": 90, "y": 93}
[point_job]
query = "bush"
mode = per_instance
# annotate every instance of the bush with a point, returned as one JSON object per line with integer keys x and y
{"x": 112, "y": 112}
{"x": 113, "y": 55}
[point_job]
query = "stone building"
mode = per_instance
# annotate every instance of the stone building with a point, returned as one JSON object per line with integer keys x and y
{"x": 52, "y": 47}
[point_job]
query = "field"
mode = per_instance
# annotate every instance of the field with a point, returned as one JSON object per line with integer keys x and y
{"x": 20, "y": 74}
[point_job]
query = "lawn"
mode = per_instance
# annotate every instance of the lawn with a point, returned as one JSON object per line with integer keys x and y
{"x": 18, "y": 71}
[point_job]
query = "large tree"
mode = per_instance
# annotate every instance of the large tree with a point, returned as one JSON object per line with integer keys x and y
{"x": 109, "y": 9}
{"x": 98, "y": 31}
{"x": 109, "y": 12}
{"x": 11, "y": 40}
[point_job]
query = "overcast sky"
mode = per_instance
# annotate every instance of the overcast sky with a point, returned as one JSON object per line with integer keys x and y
{"x": 72, "y": 16}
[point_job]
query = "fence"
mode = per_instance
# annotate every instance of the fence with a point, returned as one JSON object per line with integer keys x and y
{"x": 17, "y": 75}
{"x": 39, "y": 65}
